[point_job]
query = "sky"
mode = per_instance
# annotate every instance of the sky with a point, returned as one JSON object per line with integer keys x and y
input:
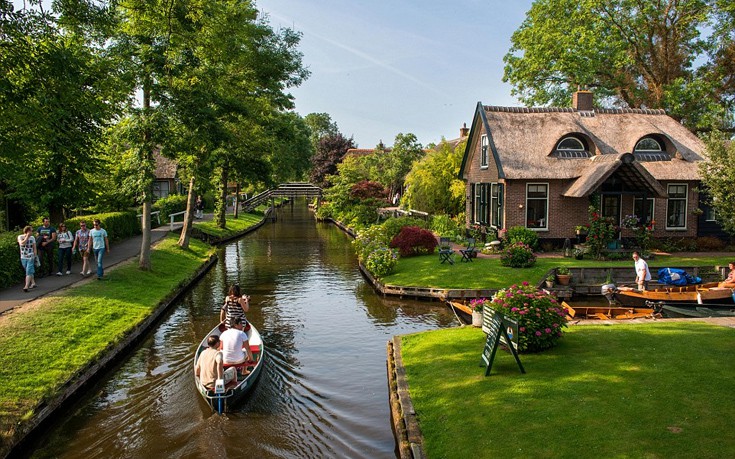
{"x": 380, "y": 68}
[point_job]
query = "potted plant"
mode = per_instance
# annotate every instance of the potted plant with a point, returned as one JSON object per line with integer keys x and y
{"x": 477, "y": 305}
{"x": 550, "y": 280}
{"x": 563, "y": 275}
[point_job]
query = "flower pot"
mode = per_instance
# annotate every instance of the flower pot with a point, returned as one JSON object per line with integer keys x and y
{"x": 563, "y": 279}
{"x": 549, "y": 284}
{"x": 477, "y": 318}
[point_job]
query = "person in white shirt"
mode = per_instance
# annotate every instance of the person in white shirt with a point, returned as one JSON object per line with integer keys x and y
{"x": 642, "y": 274}
{"x": 235, "y": 345}
{"x": 65, "y": 239}
{"x": 28, "y": 254}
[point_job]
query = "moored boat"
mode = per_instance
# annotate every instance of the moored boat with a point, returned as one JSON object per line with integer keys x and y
{"x": 699, "y": 293}
{"x": 605, "y": 312}
{"x": 235, "y": 390}
{"x": 677, "y": 310}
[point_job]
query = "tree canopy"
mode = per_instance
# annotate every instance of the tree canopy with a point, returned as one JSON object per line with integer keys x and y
{"x": 718, "y": 178}
{"x": 633, "y": 53}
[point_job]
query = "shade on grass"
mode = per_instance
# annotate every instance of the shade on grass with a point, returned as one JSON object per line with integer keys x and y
{"x": 487, "y": 273}
{"x": 638, "y": 390}
{"x": 47, "y": 345}
{"x": 233, "y": 226}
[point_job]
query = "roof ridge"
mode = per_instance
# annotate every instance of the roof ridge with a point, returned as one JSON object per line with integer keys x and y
{"x": 605, "y": 111}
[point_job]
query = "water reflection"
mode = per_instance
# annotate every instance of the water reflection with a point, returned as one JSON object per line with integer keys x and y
{"x": 323, "y": 392}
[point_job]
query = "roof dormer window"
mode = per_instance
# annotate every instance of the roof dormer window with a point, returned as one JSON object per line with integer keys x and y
{"x": 571, "y": 147}
{"x": 650, "y": 149}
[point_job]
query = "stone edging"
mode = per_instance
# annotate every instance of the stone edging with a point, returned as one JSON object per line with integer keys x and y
{"x": 93, "y": 370}
{"x": 405, "y": 423}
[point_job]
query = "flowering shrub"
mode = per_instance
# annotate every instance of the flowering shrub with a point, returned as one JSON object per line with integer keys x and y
{"x": 602, "y": 231}
{"x": 643, "y": 233}
{"x": 476, "y": 304}
{"x": 522, "y": 234}
{"x": 394, "y": 225}
{"x": 518, "y": 255}
{"x": 381, "y": 261}
{"x": 368, "y": 240}
{"x": 541, "y": 319}
{"x": 413, "y": 240}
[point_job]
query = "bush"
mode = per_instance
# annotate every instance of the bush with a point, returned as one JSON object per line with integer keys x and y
{"x": 325, "y": 211}
{"x": 522, "y": 234}
{"x": 541, "y": 320}
{"x": 369, "y": 240}
{"x": 119, "y": 225}
{"x": 710, "y": 244}
{"x": 394, "y": 225}
{"x": 169, "y": 205}
{"x": 367, "y": 190}
{"x": 518, "y": 255}
{"x": 413, "y": 240}
{"x": 11, "y": 271}
{"x": 381, "y": 261}
{"x": 446, "y": 226}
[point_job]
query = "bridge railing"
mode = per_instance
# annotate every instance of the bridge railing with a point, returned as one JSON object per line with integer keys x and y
{"x": 284, "y": 190}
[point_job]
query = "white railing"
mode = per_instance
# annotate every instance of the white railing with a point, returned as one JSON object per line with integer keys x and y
{"x": 172, "y": 217}
{"x": 156, "y": 213}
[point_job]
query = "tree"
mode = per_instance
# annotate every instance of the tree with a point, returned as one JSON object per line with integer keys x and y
{"x": 432, "y": 184}
{"x": 290, "y": 147}
{"x": 330, "y": 152}
{"x": 393, "y": 166}
{"x": 320, "y": 125}
{"x": 718, "y": 178}
{"x": 633, "y": 53}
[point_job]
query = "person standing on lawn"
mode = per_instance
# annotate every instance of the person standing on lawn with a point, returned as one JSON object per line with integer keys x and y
{"x": 642, "y": 274}
{"x": 100, "y": 246}
{"x": 66, "y": 239}
{"x": 81, "y": 243}
{"x": 28, "y": 252}
{"x": 46, "y": 236}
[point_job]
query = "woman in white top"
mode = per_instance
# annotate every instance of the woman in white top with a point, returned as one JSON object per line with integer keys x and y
{"x": 65, "y": 239}
{"x": 28, "y": 253}
{"x": 81, "y": 243}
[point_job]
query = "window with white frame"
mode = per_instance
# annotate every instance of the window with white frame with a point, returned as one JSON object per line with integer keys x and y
{"x": 496, "y": 205}
{"x": 638, "y": 209}
{"x": 537, "y": 205}
{"x": 676, "y": 209}
{"x": 484, "y": 144}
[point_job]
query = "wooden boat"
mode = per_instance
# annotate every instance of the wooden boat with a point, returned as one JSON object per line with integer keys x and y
{"x": 605, "y": 312}
{"x": 670, "y": 294}
{"x": 236, "y": 390}
{"x": 670, "y": 310}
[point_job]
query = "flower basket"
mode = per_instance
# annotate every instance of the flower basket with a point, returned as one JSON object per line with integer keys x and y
{"x": 477, "y": 318}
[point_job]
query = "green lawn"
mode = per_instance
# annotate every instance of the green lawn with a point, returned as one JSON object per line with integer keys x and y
{"x": 487, "y": 273}
{"x": 654, "y": 390}
{"x": 46, "y": 345}
{"x": 233, "y": 226}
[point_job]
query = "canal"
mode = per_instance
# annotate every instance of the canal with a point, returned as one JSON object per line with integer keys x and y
{"x": 324, "y": 389}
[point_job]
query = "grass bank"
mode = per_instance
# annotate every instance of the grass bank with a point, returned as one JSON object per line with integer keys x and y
{"x": 488, "y": 273}
{"x": 48, "y": 342}
{"x": 638, "y": 390}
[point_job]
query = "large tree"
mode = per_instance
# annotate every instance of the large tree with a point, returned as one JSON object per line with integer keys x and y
{"x": 633, "y": 53}
{"x": 718, "y": 177}
{"x": 320, "y": 125}
{"x": 329, "y": 153}
{"x": 432, "y": 184}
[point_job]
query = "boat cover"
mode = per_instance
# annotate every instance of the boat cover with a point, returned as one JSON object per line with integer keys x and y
{"x": 676, "y": 276}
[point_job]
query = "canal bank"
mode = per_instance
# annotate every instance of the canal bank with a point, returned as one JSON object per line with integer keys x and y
{"x": 22, "y": 420}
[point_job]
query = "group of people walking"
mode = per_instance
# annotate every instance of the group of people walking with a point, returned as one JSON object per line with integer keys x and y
{"x": 37, "y": 249}
{"x": 229, "y": 350}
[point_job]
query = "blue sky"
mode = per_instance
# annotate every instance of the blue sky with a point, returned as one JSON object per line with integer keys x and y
{"x": 380, "y": 67}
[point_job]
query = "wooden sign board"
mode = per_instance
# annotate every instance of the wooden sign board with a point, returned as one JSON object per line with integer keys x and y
{"x": 497, "y": 327}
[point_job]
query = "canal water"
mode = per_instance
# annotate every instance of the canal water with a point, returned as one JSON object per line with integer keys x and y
{"x": 324, "y": 389}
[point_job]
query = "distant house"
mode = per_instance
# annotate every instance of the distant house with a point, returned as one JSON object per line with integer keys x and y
{"x": 166, "y": 181}
{"x": 538, "y": 168}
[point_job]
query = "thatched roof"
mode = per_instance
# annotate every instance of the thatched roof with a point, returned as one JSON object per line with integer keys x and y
{"x": 165, "y": 168}
{"x": 523, "y": 141}
{"x": 627, "y": 169}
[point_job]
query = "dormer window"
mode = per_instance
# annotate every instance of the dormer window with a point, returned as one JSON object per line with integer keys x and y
{"x": 650, "y": 149}
{"x": 571, "y": 147}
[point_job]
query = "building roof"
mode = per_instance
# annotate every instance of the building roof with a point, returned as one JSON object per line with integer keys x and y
{"x": 165, "y": 168}
{"x": 523, "y": 141}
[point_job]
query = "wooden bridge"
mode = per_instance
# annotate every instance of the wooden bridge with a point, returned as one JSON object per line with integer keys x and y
{"x": 284, "y": 190}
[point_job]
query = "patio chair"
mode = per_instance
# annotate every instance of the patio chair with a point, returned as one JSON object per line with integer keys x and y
{"x": 469, "y": 252}
{"x": 445, "y": 251}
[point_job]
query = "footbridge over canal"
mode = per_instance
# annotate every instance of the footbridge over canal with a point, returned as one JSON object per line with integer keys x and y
{"x": 284, "y": 190}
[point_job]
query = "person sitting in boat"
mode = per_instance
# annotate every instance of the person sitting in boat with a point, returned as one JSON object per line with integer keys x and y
{"x": 210, "y": 368}
{"x": 235, "y": 305}
{"x": 642, "y": 274}
{"x": 235, "y": 345}
{"x": 729, "y": 281}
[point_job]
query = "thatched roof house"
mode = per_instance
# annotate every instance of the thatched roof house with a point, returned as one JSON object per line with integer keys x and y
{"x": 539, "y": 167}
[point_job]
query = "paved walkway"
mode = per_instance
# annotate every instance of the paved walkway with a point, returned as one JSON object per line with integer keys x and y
{"x": 121, "y": 251}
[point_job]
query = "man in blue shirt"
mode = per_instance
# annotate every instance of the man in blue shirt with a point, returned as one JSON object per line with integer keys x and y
{"x": 100, "y": 246}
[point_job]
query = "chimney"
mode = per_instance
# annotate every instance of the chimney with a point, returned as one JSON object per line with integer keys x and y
{"x": 464, "y": 131}
{"x": 582, "y": 100}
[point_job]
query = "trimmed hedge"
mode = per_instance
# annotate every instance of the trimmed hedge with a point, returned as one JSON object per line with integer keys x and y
{"x": 119, "y": 225}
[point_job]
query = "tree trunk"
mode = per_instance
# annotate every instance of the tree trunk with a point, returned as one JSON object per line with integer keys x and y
{"x": 221, "y": 212}
{"x": 237, "y": 199}
{"x": 188, "y": 217}
{"x": 144, "y": 262}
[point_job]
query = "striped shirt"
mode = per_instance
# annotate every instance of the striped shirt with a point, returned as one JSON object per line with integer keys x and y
{"x": 233, "y": 310}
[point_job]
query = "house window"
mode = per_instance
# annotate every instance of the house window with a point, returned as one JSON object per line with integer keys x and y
{"x": 650, "y": 149}
{"x": 496, "y": 205}
{"x": 483, "y": 151}
{"x": 638, "y": 209}
{"x": 160, "y": 189}
{"x": 480, "y": 210}
{"x": 676, "y": 209}
{"x": 709, "y": 214}
{"x": 537, "y": 205}
{"x": 571, "y": 147}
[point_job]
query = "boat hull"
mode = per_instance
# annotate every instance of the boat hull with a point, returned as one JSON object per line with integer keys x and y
{"x": 702, "y": 294}
{"x": 234, "y": 393}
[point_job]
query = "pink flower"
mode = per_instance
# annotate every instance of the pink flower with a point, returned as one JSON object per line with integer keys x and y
{"x": 514, "y": 309}
{"x": 538, "y": 333}
{"x": 556, "y": 325}
{"x": 548, "y": 330}
{"x": 522, "y": 329}
{"x": 525, "y": 283}
{"x": 522, "y": 312}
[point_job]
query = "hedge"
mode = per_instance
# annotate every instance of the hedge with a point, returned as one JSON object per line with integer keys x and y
{"x": 119, "y": 225}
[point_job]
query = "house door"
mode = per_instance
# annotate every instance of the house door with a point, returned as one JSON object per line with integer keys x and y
{"x": 611, "y": 208}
